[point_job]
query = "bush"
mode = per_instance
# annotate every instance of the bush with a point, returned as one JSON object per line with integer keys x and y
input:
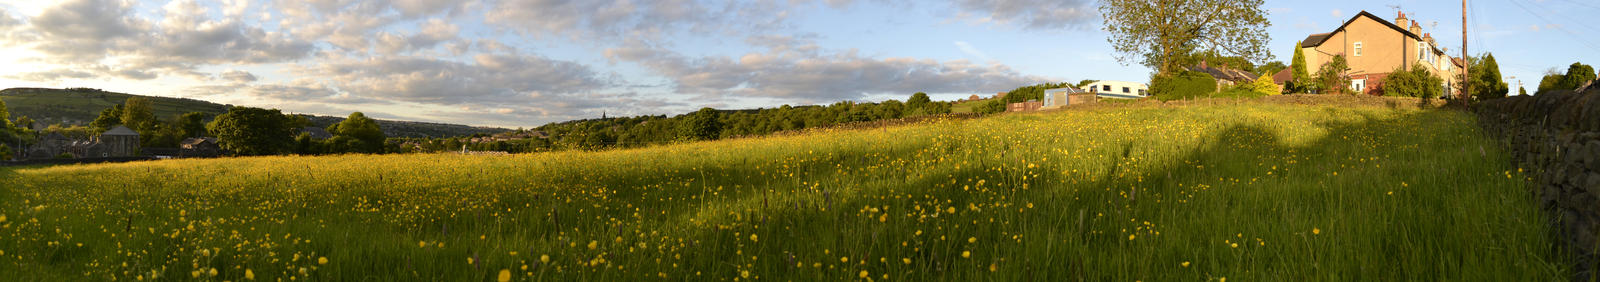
{"x": 992, "y": 106}
{"x": 1184, "y": 85}
{"x": 1417, "y": 82}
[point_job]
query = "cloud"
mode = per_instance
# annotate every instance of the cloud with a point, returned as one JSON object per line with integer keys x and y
{"x": 787, "y": 74}
{"x": 1032, "y": 14}
{"x": 488, "y": 78}
{"x": 238, "y": 76}
{"x": 105, "y": 38}
{"x": 648, "y": 19}
{"x": 1336, "y": 13}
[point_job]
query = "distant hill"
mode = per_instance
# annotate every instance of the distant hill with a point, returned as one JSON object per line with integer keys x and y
{"x": 79, "y": 106}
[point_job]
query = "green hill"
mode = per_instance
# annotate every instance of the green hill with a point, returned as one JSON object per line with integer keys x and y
{"x": 79, "y": 106}
{"x": 1206, "y": 190}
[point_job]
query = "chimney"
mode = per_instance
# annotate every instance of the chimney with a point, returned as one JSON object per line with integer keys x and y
{"x": 1416, "y": 28}
{"x": 1401, "y": 21}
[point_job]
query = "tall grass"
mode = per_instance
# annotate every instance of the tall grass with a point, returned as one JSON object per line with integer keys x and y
{"x": 1241, "y": 191}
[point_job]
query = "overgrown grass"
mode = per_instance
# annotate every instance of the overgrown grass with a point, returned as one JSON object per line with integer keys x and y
{"x": 1242, "y": 191}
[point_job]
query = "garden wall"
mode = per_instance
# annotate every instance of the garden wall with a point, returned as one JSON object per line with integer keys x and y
{"x": 1557, "y": 136}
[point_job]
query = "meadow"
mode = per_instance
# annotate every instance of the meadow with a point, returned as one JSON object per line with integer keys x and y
{"x": 1236, "y": 191}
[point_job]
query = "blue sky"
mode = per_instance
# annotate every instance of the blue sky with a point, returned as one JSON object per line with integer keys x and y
{"x": 523, "y": 63}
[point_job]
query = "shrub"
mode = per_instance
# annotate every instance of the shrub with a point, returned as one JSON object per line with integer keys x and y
{"x": 1184, "y": 85}
{"x": 1417, "y": 82}
{"x": 992, "y": 106}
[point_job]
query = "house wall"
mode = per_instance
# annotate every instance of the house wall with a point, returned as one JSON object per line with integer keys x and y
{"x": 1383, "y": 51}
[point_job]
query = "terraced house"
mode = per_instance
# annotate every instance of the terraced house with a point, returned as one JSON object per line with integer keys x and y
{"x": 1375, "y": 47}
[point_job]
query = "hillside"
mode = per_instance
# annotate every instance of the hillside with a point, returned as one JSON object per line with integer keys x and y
{"x": 79, "y": 106}
{"x": 1208, "y": 190}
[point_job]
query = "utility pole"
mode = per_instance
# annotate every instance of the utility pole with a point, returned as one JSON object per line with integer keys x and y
{"x": 1466, "y": 69}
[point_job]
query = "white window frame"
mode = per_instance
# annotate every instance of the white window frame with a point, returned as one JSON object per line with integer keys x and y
{"x": 1357, "y": 48}
{"x": 1358, "y": 82}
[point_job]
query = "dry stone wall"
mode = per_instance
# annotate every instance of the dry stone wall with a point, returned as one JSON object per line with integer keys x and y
{"x": 1557, "y": 135}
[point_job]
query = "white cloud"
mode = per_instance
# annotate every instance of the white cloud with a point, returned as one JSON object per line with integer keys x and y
{"x": 1336, "y": 13}
{"x": 789, "y": 73}
{"x": 1032, "y": 14}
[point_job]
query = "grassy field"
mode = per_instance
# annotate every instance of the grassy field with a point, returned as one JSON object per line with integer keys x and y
{"x": 1242, "y": 191}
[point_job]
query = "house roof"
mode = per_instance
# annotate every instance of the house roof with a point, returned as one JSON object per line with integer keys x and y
{"x": 1320, "y": 38}
{"x": 1224, "y": 73}
{"x": 198, "y": 141}
{"x": 1283, "y": 76}
{"x": 120, "y": 131}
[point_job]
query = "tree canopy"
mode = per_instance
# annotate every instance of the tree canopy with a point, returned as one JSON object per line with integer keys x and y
{"x": 1486, "y": 82}
{"x": 1158, "y": 34}
{"x": 1577, "y": 74}
{"x": 252, "y": 131}
{"x": 703, "y": 125}
{"x": 1300, "y": 72}
{"x": 357, "y": 134}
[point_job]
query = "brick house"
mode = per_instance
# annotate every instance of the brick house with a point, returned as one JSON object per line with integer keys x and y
{"x": 1374, "y": 47}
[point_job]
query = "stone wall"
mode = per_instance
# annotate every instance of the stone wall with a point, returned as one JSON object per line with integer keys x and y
{"x": 1557, "y": 136}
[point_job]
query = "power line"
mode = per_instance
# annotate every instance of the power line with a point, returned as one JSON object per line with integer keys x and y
{"x": 1560, "y": 27}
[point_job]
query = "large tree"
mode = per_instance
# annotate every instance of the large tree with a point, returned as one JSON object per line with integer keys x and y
{"x": 5, "y": 117}
{"x": 705, "y": 124}
{"x": 192, "y": 124}
{"x": 137, "y": 114}
{"x": 252, "y": 131}
{"x": 1577, "y": 75}
{"x": 1486, "y": 82}
{"x": 1159, "y": 33}
{"x": 108, "y": 118}
{"x": 364, "y": 132}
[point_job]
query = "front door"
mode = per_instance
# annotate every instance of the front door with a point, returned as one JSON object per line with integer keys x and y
{"x": 1358, "y": 85}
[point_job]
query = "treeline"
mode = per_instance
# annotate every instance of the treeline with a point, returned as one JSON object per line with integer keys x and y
{"x": 240, "y": 131}
{"x": 704, "y": 124}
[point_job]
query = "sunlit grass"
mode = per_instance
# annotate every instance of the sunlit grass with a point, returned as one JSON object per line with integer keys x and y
{"x": 1244, "y": 192}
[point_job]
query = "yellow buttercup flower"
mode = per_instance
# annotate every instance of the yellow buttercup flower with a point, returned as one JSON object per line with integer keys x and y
{"x": 322, "y": 260}
{"x": 863, "y": 274}
{"x": 505, "y": 276}
{"x": 1315, "y": 231}
{"x": 966, "y": 254}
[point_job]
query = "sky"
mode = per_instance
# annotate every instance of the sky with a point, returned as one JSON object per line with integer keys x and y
{"x": 524, "y": 63}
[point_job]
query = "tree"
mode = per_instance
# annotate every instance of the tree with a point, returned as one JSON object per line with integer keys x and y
{"x": 364, "y": 134}
{"x": 1301, "y": 75}
{"x": 252, "y": 131}
{"x": 990, "y": 107}
{"x": 137, "y": 115}
{"x": 191, "y": 124}
{"x": 108, "y": 118}
{"x": 1486, "y": 82}
{"x": 1331, "y": 77}
{"x": 918, "y": 101}
{"x": 1551, "y": 81}
{"x": 1577, "y": 75}
{"x": 1156, "y": 35}
{"x": 1271, "y": 68}
{"x": 706, "y": 124}
{"x": 1522, "y": 91}
{"x": 22, "y": 122}
{"x": 5, "y": 117}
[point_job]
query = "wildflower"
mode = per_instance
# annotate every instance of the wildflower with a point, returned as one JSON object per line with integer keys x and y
{"x": 972, "y": 240}
{"x": 544, "y": 258}
{"x": 752, "y": 237}
{"x": 863, "y": 274}
{"x": 249, "y": 275}
{"x": 322, "y": 260}
{"x": 844, "y": 259}
{"x": 1234, "y": 245}
{"x": 966, "y": 254}
{"x": 1185, "y": 264}
{"x": 1315, "y": 231}
{"x": 1130, "y": 237}
{"x": 993, "y": 267}
{"x": 593, "y": 244}
{"x": 505, "y": 275}
{"x": 906, "y": 260}
{"x": 469, "y": 260}
{"x": 744, "y": 274}
{"x": 422, "y": 244}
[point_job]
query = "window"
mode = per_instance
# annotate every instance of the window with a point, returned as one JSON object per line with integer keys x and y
{"x": 1422, "y": 50}
{"x": 1107, "y": 88}
{"x": 1357, "y": 48}
{"x": 1126, "y": 90}
{"x": 1358, "y": 85}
